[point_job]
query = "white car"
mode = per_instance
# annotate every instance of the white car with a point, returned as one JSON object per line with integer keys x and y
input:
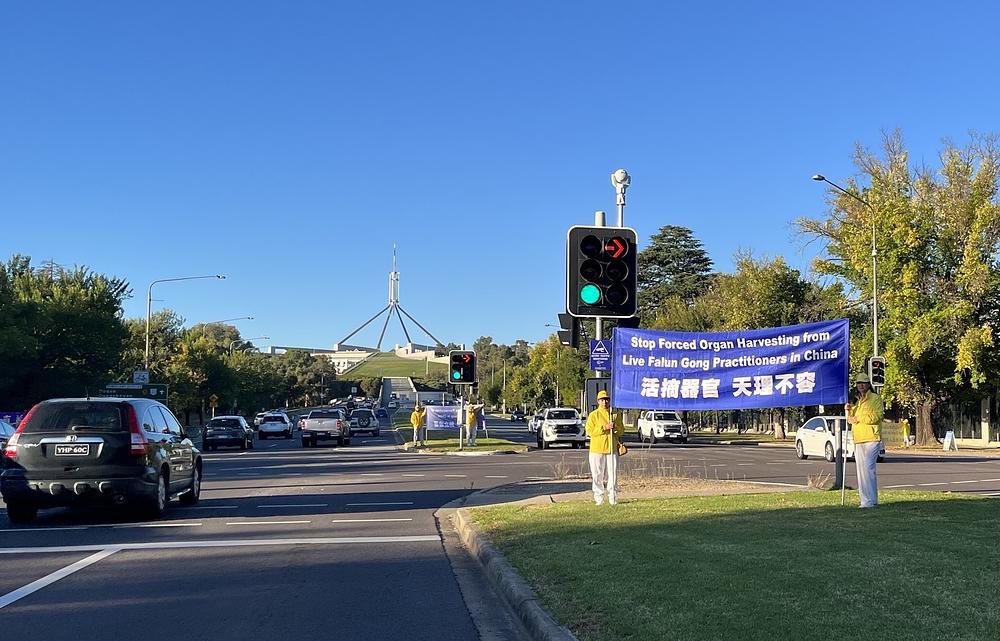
{"x": 659, "y": 425}
{"x": 816, "y": 437}
{"x": 535, "y": 422}
{"x": 561, "y": 425}
{"x": 274, "y": 424}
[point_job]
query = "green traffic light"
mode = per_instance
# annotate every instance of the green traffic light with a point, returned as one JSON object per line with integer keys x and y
{"x": 590, "y": 294}
{"x": 456, "y": 375}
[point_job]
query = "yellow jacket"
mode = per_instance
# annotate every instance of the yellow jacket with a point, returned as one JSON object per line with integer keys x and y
{"x": 869, "y": 412}
{"x": 472, "y": 415}
{"x": 600, "y": 443}
{"x": 417, "y": 418}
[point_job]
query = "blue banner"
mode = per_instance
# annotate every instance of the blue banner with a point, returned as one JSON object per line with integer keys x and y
{"x": 442, "y": 417}
{"x": 791, "y": 366}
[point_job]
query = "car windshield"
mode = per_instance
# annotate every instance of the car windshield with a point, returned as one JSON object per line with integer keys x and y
{"x": 224, "y": 422}
{"x": 665, "y": 416}
{"x": 274, "y": 419}
{"x": 324, "y": 414}
{"x": 562, "y": 415}
{"x": 75, "y": 416}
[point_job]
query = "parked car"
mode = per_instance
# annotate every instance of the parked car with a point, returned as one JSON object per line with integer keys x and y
{"x": 326, "y": 425}
{"x": 381, "y": 413}
{"x": 658, "y": 425}
{"x": 517, "y": 416}
{"x": 535, "y": 422}
{"x": 392, "y": 405}
{"x": 119, "y": 451}
{"x": 275, "y": 424}
{"x": 224, "y": 431}
{"x": 561, "y": 425}
{"x": 363, "y": 420}
{"x": 816, "y": 437}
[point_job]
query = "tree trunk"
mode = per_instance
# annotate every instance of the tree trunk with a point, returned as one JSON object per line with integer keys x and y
{"x": 925, "y": 429}
{"x": 779, "y": 425}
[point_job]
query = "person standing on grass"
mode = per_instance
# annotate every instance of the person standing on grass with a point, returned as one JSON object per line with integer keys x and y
{"x": 603, "y": 431}
{"x": 472, "y": 422}
{"x": 418, "y": 419}
{"x": 866, "y": 424}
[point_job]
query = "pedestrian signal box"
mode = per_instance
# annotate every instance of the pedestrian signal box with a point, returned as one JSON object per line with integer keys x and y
{"x": 601, "y": 272}
{"x": 462, "y": 367}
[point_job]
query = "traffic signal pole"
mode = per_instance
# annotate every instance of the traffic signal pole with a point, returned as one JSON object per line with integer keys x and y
{"x": 598, "y": 321}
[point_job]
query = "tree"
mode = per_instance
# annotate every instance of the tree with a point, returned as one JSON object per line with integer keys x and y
{"x": 673, "y": 264}
{"x": 937, "y": 236}
{"x": 62, "y": 332}
{"x": 165, "y": 331}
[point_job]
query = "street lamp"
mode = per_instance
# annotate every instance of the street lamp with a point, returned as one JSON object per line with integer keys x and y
{"x": 232, "y": 344}
{"x": 204, "y": 326}
{"x": 149, "y": 302}
{"x": 822, "y": 178}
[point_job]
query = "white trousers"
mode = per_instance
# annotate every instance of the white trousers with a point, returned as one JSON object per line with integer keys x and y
{"x": 865, "y": 458}
{"x": 604, "y": 472}
{"x": 470, "y": 435}
{"x": 419, "y": 434}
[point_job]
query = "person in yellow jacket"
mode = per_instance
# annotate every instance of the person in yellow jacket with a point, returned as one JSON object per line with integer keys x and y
{"x": 418, "y": 420}
{"x": 605, "y": 434}
{"x": 866, "y": 425}
{"x": 472, "y": 418}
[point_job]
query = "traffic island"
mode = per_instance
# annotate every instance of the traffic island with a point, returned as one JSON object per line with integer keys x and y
{"x": 447, "y": 442}
{"x": 791, "y": 565}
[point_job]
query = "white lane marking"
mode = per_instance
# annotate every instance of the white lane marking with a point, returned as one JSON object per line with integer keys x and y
{"x": 382, "y": 503}
{"x": 930, "y": 484}
{"x": 292, "y": 505}
{"x": 367, "y": 520}
{"x": 47, "y": 580}
{"x": 214, "y": 507}
{"x": 159, "y": 525}
{"x": 414, "y": 475}
{"x": 991, "y": 494}
{"x": 267, "y": 522}
{"x": 222, "y": 543}
{"x": 963, "y": 482}
{"x": 990, "y": 480}
{"x": 746, "y": 463}
{"x": 495, "y": 477}
{"x": 372, "y": 474}
{"x": 271, "y": 446}
{"x": 380, "y": 440}
{"x": 454, "y": 476}
{"x": 890, "y": 487}
{"x": 718, "y": 465}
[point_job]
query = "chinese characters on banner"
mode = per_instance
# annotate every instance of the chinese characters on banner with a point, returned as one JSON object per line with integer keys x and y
{"x": 798, "y": 365}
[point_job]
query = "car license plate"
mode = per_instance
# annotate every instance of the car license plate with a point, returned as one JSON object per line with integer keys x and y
{"x": 72, "y": 450}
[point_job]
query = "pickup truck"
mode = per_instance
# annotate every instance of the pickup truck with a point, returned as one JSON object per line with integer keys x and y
{"x": 325, "y": 425}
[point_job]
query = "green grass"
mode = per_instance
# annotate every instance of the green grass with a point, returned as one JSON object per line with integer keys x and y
{"x": 447, "y": 441}
{"x": 388, "y": 364}
{"x": 792, "y": 566}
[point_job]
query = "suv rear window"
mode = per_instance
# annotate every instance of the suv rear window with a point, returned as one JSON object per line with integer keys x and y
{"x": 562, "y": 415}
{"x": 77, "y": 416}
{"x": 277, "y": 418}
{"x": 324, "y": 414}
{"x": 362, "y": 414}
{"x": 224, "y": 422}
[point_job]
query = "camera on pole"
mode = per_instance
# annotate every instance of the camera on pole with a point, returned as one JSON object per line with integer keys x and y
{"x": 601, "y": 272}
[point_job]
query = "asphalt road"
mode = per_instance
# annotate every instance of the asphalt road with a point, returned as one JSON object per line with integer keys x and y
{"x": 337, "y": 543}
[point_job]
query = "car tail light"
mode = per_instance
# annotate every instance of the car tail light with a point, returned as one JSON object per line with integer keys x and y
{"x": 138, "y": 439}
{"x": 302, "y": 423}
{"x": 10, "y": 450}
{"x": 340, "y": 424}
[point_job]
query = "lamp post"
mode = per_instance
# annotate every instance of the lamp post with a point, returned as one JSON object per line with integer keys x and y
{"x": 149, "y": 302}
{"x": 871, "y": 210}
{"x": 204, "y": 326}
{"x": 232, "y": 344}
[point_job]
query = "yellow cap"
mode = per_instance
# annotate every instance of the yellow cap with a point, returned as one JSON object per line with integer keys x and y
{"x": 603, "y": 394}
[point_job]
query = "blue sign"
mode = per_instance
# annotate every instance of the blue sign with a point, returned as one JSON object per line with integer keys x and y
{"x": 791, "y": 366}
{"x": 12, "y": 417}
{"x": 600, "y": 354}
{"x": 442, "y": 417}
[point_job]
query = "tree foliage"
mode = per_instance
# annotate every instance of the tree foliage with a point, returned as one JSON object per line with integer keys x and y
{"x": 673, "y": 264}
{"x": 938, "y": 279}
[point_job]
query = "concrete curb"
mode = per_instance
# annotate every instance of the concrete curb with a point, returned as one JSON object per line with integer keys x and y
{"x": 489, "y": 453}
{"x": 505, "y": 579}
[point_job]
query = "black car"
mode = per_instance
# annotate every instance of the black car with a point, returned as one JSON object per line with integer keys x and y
{"x": 229, "y": 431}
{"x": 116, "y": 451}
{"x": 381, "y": 413}
{"x": 517, "y": 416}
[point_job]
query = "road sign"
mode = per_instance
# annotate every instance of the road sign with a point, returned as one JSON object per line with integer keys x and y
{"x": 213, "y": 401}
{"x": 601, "y": 267}
{"x": 593, "y": 386}
{"x": 140, "y": 377}
{"x": 600, "y": 355}
{"x": 156, "y": 391}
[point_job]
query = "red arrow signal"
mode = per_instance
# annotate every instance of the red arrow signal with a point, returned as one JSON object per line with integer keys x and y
{"x": 616, "y": 247}
{"x": 466, "y": 358}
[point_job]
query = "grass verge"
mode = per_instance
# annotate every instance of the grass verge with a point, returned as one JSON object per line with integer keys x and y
{"x": 447, "y": 441}
{"x": 761, "y": 567}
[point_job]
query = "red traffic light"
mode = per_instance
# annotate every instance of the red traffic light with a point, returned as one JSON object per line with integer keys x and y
{"x": 616, "y": 247}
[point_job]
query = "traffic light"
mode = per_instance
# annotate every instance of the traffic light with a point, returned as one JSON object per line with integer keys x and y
{"x": 462, "y": 367}
{"x": 876, "y": 371}
{"x": 601, "y": 271}
{"x": 570, "y": 332}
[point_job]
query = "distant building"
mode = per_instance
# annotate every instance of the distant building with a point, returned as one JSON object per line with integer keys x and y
{"x": 342, "y": 359}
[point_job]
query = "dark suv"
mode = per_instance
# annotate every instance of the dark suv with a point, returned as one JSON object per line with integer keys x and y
{"x": 119, "y": 451}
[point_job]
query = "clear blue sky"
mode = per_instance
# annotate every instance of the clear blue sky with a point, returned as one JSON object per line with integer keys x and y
{"x": 289, "y": 144}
